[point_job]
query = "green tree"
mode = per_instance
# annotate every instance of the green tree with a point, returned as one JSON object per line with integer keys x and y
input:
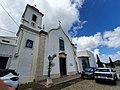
{"x": 111, "y": 63}
{"x": 100, "y": 64}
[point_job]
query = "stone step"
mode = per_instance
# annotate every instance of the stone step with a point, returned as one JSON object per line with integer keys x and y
{"x": 62, "y": 79}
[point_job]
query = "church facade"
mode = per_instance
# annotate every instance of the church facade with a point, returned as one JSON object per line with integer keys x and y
{"x": 29, "y": 52}
{"x": 35, "y": 45}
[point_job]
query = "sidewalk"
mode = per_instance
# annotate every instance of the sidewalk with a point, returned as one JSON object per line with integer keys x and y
{"x": 62, "y": 79}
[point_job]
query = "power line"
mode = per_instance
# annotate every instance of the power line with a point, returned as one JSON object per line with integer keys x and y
{"x": 9, "y": 15}
{"x": 7, "y": 30}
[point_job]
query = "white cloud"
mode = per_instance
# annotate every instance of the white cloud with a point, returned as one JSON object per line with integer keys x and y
{"x": 74, "y": 29}
{"x": 114, "y": 57}
{"x": 15, "y": 9}
{"x": 111, "y": 38}
{"x": 53, "y": 10}
{"x": 89, "y": 42}
{"x": 96, "y": 51}
{"x": 104, "y": 57}
{"x": 78, "y": 3}
{"x": 56, "y": 10}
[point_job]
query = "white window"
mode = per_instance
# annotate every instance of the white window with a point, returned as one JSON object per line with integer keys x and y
{"x": 61, "y": 44}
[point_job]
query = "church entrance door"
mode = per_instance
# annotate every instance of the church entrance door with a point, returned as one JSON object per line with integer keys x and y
{"x": 62, "y": 66}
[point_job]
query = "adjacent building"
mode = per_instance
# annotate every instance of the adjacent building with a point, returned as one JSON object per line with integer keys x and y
{"x": 35, "y": 45}
{"x": 85, "y": 59}
{"x": 7, "y": 46}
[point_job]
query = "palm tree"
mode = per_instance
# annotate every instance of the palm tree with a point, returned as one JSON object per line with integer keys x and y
{"x": 100, "y": 64}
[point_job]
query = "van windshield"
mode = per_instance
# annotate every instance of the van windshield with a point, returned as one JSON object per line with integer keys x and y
{"x": 103, "y": 70}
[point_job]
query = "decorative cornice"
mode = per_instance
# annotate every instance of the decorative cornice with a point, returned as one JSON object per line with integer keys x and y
{"x": 63, "y": 53}
{"x": 43, "y": 32}
{"x": 30, "y": 29}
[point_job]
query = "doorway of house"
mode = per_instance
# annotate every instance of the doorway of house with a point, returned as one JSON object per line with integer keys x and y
{"x": 85, "y": 62}
{"x": 3, "y": 62}
{"x": 62, "y": 66}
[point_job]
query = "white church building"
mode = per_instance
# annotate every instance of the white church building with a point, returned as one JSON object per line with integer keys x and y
{"x": 29, "y": 56}
{"x": 28, "y": 52}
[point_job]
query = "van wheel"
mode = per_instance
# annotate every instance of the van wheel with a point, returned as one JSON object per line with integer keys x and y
{"x": 82, "y": 76}
{"x": 116, "y": 77}
{"x": 97, "y": 81}
{"x": 114, "y": 81}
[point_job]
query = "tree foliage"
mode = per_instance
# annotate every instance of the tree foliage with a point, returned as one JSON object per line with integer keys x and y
{"x": 111, "y": 63}
{"x": 100, "y": 64}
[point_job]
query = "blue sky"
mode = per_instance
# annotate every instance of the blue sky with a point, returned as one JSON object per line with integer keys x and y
{"x": 101, "y": 16}
{"x": 91, "y": 24}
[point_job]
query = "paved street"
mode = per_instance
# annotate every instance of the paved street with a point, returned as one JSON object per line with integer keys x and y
{"x": 92, "y": 85}
{"x": 75, "y": 84}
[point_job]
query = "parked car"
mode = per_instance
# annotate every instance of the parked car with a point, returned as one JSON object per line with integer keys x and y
{"x": 9, "y": 77}
{"x": 88, "y": 72}
{"x": 106, "y": 74}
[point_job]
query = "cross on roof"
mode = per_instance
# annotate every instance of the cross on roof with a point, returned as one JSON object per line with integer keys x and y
{"x": 59, "y": 22}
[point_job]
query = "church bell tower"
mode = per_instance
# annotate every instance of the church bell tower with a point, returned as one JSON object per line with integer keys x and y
{"x": 31, "y": 45}
{"x": 32, "y": 17}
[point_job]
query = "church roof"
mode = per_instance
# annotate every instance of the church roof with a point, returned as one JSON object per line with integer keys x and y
{"x": 84, "y": 53}
{"x": 60, "y": 27}
{"x": 32, "y": 8}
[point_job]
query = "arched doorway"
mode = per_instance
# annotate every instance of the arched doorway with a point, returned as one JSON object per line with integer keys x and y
{"x": 85, "y": 62}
